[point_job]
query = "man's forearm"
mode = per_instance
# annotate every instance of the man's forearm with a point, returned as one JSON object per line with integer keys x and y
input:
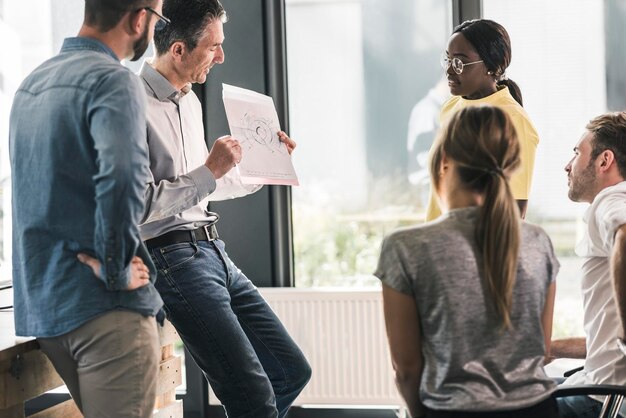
{"x": 117, "y": 125}
{"x": 171, "y": 197}
{"x": 618, "y": 271}
{"x": 568, "y": 348}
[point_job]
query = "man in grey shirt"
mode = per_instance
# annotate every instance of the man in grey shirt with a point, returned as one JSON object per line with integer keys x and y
{"x": 252, "y": 364}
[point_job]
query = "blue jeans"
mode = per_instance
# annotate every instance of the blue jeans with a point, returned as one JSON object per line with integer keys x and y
{"x": 581, "y": 407}
{"x": 578, "y": 407}
{"x": 254, "y": 367}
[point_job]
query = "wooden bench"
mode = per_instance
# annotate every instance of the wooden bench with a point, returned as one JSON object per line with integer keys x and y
{"x": 25, "y": 373}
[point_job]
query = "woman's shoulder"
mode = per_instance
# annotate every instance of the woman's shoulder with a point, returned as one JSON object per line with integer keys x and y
{"x": 534, "y": 235}
{"x": 448, "y": 108}
{"x": 408, "y": 234}
{"x": 517, "y": 113}
{"x": 503, "y": 99}
{"x": 531, "y": 228}
{"x": 451, "y": 102}
{"x": 441, "y": 231}
{"x": 421, "y": 232}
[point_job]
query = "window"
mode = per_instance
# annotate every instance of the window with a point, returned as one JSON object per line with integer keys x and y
{"x": 359, "y": 71}
{"x": 363, "y": 104}
{"x": 566, "y": 80}
{"x": 29, "y": 48}
{"x": 32, "y": 33}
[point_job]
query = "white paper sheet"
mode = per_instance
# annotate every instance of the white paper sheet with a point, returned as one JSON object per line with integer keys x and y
{"x": 253, "y": 121}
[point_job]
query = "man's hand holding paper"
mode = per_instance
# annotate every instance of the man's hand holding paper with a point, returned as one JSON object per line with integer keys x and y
{"x": 265, "y": 149}
{"x": 224, "y": 155}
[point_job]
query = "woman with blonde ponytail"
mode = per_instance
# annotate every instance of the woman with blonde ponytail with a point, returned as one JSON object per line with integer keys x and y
{"x": 468, "y": 298}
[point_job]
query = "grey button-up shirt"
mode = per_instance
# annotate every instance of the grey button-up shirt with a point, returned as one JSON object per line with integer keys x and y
{"x": 181, "y": 185}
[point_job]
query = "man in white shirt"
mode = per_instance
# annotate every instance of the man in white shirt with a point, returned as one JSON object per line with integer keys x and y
{"x": 597, "y": 174}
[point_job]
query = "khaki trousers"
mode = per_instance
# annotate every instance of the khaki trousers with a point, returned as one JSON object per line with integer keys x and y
{"x": 109, "y": 364}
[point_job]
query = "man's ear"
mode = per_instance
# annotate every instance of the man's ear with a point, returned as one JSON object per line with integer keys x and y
{"x": 605, "y": 160}
{"x": 137, "y": 21}
{"x": 178, "y": 49}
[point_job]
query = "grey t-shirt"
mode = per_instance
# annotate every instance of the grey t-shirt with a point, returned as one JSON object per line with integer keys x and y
{"x": 470, "y": 363}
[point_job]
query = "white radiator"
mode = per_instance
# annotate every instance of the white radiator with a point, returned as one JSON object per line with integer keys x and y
{"x": 342, "y": 334}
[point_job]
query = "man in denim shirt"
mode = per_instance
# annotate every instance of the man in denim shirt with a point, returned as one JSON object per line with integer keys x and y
{"x": 253, "y": 365}
{"x": 82, "y": 277}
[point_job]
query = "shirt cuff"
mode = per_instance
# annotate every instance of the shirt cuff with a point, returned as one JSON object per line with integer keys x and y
{"x": 204, "y": 181}
{"x": 114, "y": 281}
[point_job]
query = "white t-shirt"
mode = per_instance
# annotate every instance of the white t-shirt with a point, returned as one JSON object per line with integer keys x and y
{"x": 605, "y": 363}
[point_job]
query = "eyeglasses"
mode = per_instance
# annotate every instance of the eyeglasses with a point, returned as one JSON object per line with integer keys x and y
{"x": 162, "y": 22}
{"x": 456, "y": 63}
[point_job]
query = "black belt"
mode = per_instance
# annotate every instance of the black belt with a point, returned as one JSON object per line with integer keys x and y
{"x": 204, "y": 233}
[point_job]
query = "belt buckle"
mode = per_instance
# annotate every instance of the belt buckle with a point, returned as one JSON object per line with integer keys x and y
{"x": 211, "y": 232}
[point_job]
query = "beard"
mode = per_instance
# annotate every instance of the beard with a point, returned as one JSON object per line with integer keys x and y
{"x": 582, "y": 183}
{"x": 141, "y": 45}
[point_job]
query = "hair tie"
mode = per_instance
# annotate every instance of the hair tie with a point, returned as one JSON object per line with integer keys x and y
{"x": 497, "y": 171}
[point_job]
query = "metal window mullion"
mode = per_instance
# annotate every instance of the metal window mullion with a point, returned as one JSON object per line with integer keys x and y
{"x": 280, "y": 196}
{"x": 463, "y": 10}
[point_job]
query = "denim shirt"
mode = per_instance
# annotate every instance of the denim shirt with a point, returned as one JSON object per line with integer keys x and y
{"x": 79, "y": 162}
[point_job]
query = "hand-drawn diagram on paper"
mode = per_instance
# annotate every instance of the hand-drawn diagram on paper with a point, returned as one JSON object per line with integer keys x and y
{"x": 253, "y": 131}
{"x": 253, "y": 121}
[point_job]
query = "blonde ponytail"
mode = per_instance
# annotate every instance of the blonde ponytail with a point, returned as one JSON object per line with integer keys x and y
{"x": 483, "y": 143}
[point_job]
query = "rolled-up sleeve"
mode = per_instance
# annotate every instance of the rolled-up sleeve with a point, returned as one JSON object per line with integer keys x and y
{"x": 230, "y": 186}
{"x": 171, "y": 197}
{"x": 117, "y": 121}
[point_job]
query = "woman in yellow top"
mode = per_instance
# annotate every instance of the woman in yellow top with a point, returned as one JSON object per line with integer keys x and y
{"x": 478, "y": 54}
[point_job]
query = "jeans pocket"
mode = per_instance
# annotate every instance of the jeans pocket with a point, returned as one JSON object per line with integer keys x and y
{"x": 176, "y": 255}
{"x": 155, "y": 261}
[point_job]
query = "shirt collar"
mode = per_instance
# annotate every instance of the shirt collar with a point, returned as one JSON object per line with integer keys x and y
{"x": 502, "y": 91}
{"x": 80, "y": 43}
{"x": 162, "y": 88}
{"x": 619, "y": 187}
